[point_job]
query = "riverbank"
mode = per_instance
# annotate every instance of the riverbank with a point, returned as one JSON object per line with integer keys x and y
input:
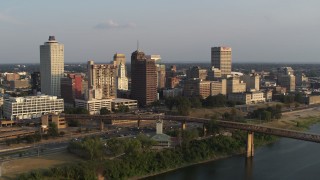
{"x": 218, "y": 157}
{"x": 295, "y": 120}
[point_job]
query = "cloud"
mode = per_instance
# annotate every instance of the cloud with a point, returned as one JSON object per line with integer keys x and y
{"x": 8, "y": 19}
{"x": 110, "y": 24}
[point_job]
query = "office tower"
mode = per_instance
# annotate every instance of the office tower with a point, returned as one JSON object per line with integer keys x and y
{"x": 122, "y": 80}
{"x": 214, "y": 74}
{"x": 234, "y": 85}
{"x": 252, "y": 81}
{"x": 119, "y": 61}
{"x": 221, "y": 59}
{"x": 161, "y": 76}
{"x": 286, "y": 78}
{"x": 35, "y": 82}
{"x": 161, "y": 70}
{"x": 71, "y": 88}
{"x": 197, "y": 72}
{"x": 101, "y": 81}
{"x": 143, "y": 79}
{"x": 51, "y": 66}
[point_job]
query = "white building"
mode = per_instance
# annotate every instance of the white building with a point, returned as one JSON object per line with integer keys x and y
{"x": 94, "y": 105}
{"x": 247, "y": 97}
{"x": 31, "y": 106}
{"x": 51, "y": 66}
{"x": 122, "y": 79}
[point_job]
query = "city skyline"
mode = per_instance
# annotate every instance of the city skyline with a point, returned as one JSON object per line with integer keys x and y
{"x": 181, "y": 31}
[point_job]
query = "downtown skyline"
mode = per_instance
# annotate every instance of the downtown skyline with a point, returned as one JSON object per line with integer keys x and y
{"x": 180, "y": 31}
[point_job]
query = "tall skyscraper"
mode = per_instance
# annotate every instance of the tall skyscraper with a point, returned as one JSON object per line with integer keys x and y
{"x": 161, "y": 70}
{"x": 35, "y": 83}
{"x": 119, "y": 61}
{"x": 101, "y": 81}
{"x": 143, "y": 79}
{"x": 71, "y": 88}
{"x": 221, "y": 58}
{"x": 51, "y": 66}
{"x": 122, "y": 80}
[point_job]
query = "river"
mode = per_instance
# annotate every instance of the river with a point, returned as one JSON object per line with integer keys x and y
{"x": 286, "y": 159}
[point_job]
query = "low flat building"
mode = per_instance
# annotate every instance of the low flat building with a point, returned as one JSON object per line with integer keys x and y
{"x": 31, "y": 106}
{"x": 132, "y": 104}
{"x": 94, "y": 105}
{"x": 19, "y": 84}
{"x": 55, "y": 118}
{"x": 313, "y": 100}
{"x": 172, "y": 92}
{"x": 197, "y": 87}
{"x": 247, "y": 97}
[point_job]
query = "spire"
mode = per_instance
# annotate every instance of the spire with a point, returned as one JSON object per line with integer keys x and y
{"x": 138, "y": 45}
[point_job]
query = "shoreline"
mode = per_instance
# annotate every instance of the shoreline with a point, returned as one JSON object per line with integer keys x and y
{"x": 187, "y": 165}
{"x": 309, "y": 120}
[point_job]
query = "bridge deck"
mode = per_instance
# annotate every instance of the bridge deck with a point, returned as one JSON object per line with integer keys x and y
{"x": 227, "y": 124}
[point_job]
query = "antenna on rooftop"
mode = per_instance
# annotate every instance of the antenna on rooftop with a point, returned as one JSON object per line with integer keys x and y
{"x": 138, "y": 45}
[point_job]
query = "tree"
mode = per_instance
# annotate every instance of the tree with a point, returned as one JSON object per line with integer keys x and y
{"x": 195, "y": 102}
{"x": 53, "y": 129}
{"x": 104, "y": 111}
{"x": 169, "y": 102}
{"x": 122, "y": 108}
{"x": 298, "y": 98}
{"x": 183, "y": 106}
{"x": 212, "y": 126}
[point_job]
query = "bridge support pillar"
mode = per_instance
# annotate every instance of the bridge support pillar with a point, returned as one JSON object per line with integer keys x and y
{"x": 101, "y": 125}
{"x": 183, "y": 125}
{"x": 250, "y": 144}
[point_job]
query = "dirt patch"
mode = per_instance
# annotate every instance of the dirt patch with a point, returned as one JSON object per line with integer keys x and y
{"x": 13, "y": 168}
{"x": 289, "y": 119}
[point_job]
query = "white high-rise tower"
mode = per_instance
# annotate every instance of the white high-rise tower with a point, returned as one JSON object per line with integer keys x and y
{"x": 51, "y": 66}
{"x": 122, "y": 78}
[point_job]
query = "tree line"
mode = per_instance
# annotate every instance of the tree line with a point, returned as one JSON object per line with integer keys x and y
{"x": 135, "y": 157}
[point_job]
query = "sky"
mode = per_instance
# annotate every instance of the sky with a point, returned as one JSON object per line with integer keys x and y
{"x": 179, "y": 30}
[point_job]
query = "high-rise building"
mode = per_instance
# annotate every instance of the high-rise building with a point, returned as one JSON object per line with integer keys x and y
{"x": 143, "y": 78}
{"x": 101, "y": 81}
{"x": 234, "y": 85}
{"x": 221, "y": 58}
{"x": 51, "y": 66}
{"x": 119, "y": 59}
{"x": 122, "y": 80}
{"x": 119, "y": 62}
{"x": 71, "y": 88}
{"x": 252, "y": 81}
{"x": 286, "y": 78}
{"x": 161, "y": 70}
{"x": 35, "y": 82}
{"x": 197, "y": 72}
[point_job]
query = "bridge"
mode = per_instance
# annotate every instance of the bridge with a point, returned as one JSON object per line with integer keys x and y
{"x": 250, "y": 128}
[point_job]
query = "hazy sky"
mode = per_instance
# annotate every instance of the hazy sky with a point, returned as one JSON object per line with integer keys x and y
{"x": 178, "y": 30}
